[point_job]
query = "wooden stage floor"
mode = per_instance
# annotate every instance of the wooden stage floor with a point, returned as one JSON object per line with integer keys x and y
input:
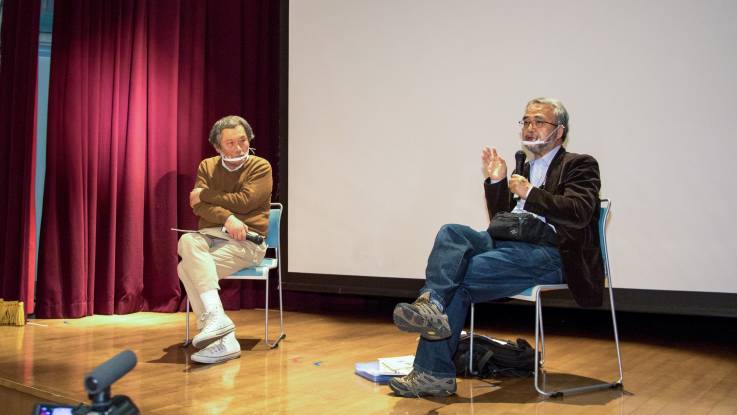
{"x": 667, "y": 371}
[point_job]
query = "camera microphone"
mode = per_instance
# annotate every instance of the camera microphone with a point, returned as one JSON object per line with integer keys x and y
{"x": 98, "y": 388}
{"x": 98, "y": 384}
{"x": 107, "y": 373}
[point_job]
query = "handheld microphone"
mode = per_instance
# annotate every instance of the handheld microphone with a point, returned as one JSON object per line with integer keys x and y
{"x": 520, "y": 157}
{"x": 250, "y": 236}
{"x": 254, "y": 237}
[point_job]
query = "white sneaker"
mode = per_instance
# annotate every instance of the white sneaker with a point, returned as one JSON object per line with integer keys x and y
{"x": 225, "y": 348}
{"x": 216, "y": 325}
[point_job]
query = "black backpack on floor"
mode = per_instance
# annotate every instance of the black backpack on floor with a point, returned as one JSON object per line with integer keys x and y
{"x": 494, "y": 357}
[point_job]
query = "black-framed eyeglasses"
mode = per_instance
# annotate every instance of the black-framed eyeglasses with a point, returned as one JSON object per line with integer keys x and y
{"x": 535, "y": 123}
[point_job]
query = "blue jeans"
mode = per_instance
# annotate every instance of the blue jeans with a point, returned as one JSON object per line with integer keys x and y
{"x": 468, "y": 266}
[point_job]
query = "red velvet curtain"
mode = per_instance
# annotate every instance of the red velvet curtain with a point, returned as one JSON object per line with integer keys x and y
{"x": 18, "y": 76}
{"x": 135, "y": 86}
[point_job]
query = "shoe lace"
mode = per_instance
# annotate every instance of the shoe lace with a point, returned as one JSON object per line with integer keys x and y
{"x": 411, "y": 378}
{"x": 426, "y": 307}
{"x": 219, "y": 347}
{"x": 208, "y": 319}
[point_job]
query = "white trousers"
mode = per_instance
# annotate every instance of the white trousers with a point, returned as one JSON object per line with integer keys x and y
{"x": 205, "y": 260}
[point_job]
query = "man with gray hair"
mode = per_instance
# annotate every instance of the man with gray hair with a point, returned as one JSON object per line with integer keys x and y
{"x": 556, "y": 196}
{"x": 231, "y": 198}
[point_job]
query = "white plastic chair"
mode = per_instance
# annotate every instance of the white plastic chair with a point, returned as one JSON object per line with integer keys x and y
{"x": 261, "y": 273}
{"x": 533, "y": 294}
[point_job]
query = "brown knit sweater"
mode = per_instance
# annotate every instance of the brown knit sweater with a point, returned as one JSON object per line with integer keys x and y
{"x": 245, "y": 193}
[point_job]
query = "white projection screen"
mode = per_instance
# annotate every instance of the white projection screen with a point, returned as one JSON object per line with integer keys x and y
{"x": 391, "y": 102}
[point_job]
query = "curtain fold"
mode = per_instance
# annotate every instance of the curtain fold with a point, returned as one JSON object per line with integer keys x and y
{"x": 135, "y": 86}
{"x": 18, "y": 83}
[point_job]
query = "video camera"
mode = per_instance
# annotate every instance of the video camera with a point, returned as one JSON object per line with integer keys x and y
{"x": 98, "y": 385}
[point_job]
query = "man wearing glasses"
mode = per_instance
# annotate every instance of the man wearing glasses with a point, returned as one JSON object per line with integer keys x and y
{"x": 559, "y": 191}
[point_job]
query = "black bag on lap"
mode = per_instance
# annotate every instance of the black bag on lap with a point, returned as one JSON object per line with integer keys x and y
{"x": 521, "y": 227}
{"x": 494, "y": 357}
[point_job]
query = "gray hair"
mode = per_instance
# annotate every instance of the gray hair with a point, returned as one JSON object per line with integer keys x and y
{"x": 560, "y": 112}
{"x": 230, "y": 121}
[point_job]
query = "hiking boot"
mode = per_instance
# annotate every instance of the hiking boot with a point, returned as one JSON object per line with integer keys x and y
{"x": 424, "y": 317}
{"x": 215, "y": 325}
{"x": 225, "y": 348}
{"x": 418, "y": 384}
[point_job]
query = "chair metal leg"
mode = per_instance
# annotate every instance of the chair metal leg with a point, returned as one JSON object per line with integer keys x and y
{"x": 537, "y": 346}
{"x": 470, "y": 348}
{"x": 266, "y": 311}
{"x": 186, "y": 341}
{"x": 539, "y": 342}
{"x": 616, "y": 333}
{"x": 282, "y": 334}
{"x": 539, "y": 321}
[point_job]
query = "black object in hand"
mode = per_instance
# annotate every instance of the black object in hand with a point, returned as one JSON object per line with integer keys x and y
{"x": 520, "y": 157}
{"x": 254, "y": 237}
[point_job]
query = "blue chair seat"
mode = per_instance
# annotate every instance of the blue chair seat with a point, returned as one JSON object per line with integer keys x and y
{"x": 257, "y": 271}
{"x": 531, "y": 293}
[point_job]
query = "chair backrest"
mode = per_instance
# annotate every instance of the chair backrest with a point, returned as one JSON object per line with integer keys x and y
{"x": 605, "y": 208}
{"x": 273, "y": 238}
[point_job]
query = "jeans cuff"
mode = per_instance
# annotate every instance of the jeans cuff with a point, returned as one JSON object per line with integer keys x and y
{"x": 434, "y": 298}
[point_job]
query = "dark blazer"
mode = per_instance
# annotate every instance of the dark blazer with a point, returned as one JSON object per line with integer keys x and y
{"x": 569, "y": 200}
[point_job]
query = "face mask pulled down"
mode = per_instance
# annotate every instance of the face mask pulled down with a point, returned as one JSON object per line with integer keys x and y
{"x": 236, "y": 161}
{"x": 536, "y": 145}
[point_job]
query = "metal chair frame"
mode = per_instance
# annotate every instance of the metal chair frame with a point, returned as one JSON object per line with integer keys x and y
{"x": 533, "y": 294}
{"x": 261, "y": 273}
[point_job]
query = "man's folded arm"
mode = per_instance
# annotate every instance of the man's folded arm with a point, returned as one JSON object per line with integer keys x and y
{"x": 578, "y": 203}
{"x": 207, "y": 211}
{"x": 211, "y": 213}
{"x": 252, "y": 195}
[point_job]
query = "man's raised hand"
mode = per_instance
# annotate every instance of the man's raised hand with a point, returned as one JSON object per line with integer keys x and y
{"x": 495, "y": 168}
